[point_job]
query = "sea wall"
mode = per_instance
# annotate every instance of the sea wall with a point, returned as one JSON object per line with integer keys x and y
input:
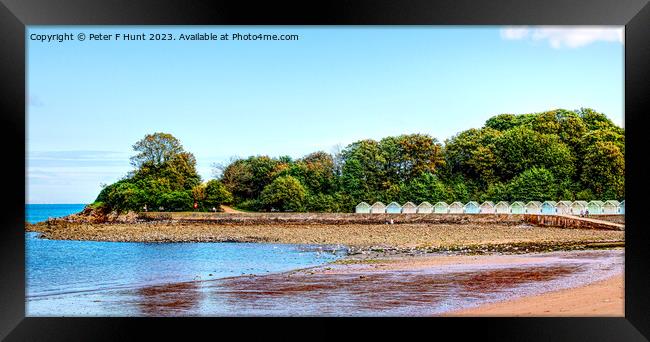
{"x": 566, "y": 221}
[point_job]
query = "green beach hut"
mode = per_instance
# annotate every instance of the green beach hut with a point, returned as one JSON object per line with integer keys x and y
{"x": 595, "y": 207}
{"x": 362, "y": 208}
{"x": 441, "y": 208}
{"x": 517, "y": 207}
{"x": 425, "y": 208}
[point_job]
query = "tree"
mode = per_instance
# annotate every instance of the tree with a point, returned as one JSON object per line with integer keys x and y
{"x": 155, "y": 149}
{"x": 285, "y": 194}
{"x": 216, "y": 194}
{"x": 535, "y": 184}
{"x": 604, "y": 170}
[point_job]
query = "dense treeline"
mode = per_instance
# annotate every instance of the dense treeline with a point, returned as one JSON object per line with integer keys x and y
{"x": 555, "y": 155}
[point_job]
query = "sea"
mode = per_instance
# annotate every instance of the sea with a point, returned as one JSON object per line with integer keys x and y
{"x": 83, "y": 278}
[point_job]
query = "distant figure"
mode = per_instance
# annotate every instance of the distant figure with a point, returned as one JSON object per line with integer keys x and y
{"x": 582, "y": 213}
{"x": 587, "y": 212}
{"x": 161, "y": 208}
{"x": 145, "y": 207}
{"x": 391, "y": 221}
{"x": 196, "y": 205}
{"x": 214, "y": 210}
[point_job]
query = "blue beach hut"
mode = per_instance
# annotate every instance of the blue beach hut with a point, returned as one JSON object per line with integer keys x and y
{"x": 548, "y": 207}
{"x": 471, "y": 208}
{"x": 393, "y": 208}
{"x": 622, "y": 207}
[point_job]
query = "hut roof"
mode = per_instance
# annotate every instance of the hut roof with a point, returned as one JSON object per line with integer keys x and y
{"x": 377, "y": 204}
{"x": 409, "y": 204}
{"x": 487, "y": 203}
{"x": 503, "y": 203}
{"x": 535, "y": 203}
{"x": 456, "y": 203}
{"x": 425, "y": 204}
{"x": 613, "y": 202}
{"x": 582, "y": 203}
{"x": 567, "y": 203}
{"x": 472, "y": 203}
{"x": 553, "y": 203}
{"x": 517, "y": 203}
{"x": 363, "y": 205}
{"x": 393, "y": 204}
{"x": 441, "y": 204}
{"x": 598, "y": 203}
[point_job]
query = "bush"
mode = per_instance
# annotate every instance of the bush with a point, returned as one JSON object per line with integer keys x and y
{"x": 177, "y": 201}
{"x": 285, "y": 194}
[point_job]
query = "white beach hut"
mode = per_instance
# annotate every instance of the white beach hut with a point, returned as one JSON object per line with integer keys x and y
{"x": 378, "y": 208}
{"x": 534, "y": 207}
{"x": 502, "y": 207}
{"x": 563, "y": 208}
{"x": 425, "y": 208}
{"x": 487, "y": 207}
{"x": 409, "y": 208}
{"x": 611, "y": 207}
{"x": 578, "y": 206}
{"x": 456, "y": 208}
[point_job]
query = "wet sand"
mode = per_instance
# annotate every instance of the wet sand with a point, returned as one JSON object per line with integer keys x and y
{"x": 601, "y": 298}
{"x": 576, "y": 283}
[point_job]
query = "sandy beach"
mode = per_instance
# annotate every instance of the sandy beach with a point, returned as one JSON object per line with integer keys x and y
{"x": 605, "y": 298}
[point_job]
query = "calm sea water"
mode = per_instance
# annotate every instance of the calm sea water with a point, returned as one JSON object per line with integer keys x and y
{"x": 73, "y": 278}
{"x": 41, "y": 212}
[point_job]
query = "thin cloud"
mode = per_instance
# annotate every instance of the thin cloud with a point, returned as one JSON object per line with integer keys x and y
{"x": 563, "y": 36}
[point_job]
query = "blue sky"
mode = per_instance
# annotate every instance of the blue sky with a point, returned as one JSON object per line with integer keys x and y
{"x": 89, "y": 101}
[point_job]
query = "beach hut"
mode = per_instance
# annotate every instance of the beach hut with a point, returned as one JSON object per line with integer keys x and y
{"x": 409, "y": 208}
{"x": 611, "y": 207}
{"x": 502, "y": 207}
{"x": 378, "y": 208}
{"x": 456, "y": 208}
{"x": 622, "y": 208}
{"x": 424, "y": 208}
{"x": 487, "y": 207}
{"x": 595, "y": 207}
{"x": 362, "y": 208}
{"x": 393, "y": 208}
{"x": 471, "y": 207}
{"x": 563, "y": 207}
{"x": 441, "y": 208}
{"x": 517, "y": 207}
{"x": 534, "y": 207}
{"x": 549, "y": 208}
{"x": 578, "y": 206}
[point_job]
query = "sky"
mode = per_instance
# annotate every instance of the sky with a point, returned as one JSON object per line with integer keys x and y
{"x": 90, "y": 101}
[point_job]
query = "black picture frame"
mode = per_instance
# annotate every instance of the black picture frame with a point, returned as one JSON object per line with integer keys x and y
{"x": 15, "y": 15}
